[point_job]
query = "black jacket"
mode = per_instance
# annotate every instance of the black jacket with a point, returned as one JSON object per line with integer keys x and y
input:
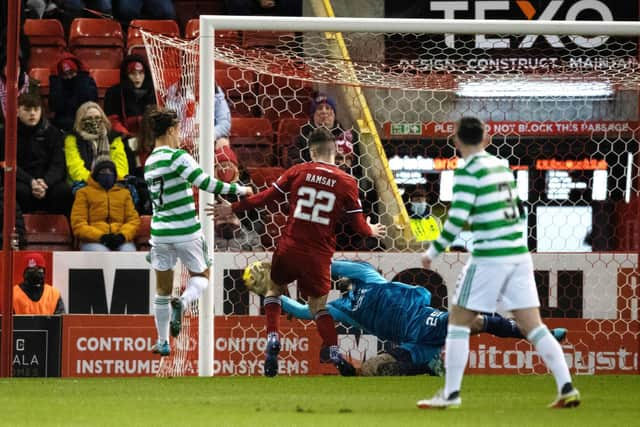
{"x": 122, "y": 103}
{"x": 65, "y": 96}
{"x": 40, "y": 153}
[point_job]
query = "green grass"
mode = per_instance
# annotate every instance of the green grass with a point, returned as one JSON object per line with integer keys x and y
{"x": 311, "y": 401}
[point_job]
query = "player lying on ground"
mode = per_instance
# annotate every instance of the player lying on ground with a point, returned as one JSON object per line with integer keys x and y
{"x": 319, "y": 195}
{"x": 175, "y": 232}
{"x": 500, "y": 269}
{"x": 391, "y": 311}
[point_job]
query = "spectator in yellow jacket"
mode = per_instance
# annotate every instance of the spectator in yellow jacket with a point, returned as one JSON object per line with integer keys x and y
{"x": 92, "y": 137}
{"x": 104, "y": 217}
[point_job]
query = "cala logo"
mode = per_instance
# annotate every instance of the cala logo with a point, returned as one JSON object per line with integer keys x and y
{"x": 551, "y": 11}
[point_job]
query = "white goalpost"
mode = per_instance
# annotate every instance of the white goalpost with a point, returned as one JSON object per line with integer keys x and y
{"x": 381, "y": 92}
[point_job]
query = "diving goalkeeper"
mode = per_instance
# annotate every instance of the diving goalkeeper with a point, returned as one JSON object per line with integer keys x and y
{"x": 392, "y": 311}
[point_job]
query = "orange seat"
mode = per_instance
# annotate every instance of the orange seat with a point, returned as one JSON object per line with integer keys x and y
{"x": 46, "y": 37}
{"x": 144, "y": 233}
{"x": 95, "y": 32}
{"x": 97, "y": 42}
{"x": 135, "y": 44}
{"x": 50, "y": 232}
{"x": 45, "y": 32}
{"x": 105, "y": 78}
{"x": 42, "y": 75}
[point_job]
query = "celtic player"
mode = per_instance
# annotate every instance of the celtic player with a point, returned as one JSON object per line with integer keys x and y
{"x": 175, "y": 231}
{"x": 500, "y": 269}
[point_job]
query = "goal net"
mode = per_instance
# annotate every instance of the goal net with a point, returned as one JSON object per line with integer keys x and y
{"x": 562, "y": 111}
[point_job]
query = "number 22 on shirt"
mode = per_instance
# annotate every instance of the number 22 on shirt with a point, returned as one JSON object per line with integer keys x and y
{"x": 312, "y": 204}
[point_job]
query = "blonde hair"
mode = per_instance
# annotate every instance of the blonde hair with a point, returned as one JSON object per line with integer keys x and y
{"x": 82, "y": 111}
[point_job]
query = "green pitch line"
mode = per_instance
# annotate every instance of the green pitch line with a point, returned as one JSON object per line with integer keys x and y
{"x": 311, "y": 401}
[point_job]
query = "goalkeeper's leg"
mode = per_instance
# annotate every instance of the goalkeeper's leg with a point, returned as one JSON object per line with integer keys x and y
{"x": 498, "y": 326}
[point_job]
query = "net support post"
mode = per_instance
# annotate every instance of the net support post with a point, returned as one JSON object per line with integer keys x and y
{"x": 206, "y": 151}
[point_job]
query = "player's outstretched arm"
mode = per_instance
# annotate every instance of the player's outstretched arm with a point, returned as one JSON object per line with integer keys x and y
{"x": 191, "y": 171}
{"x": 361, "y": 271}
{"x": 464, "y": 196}
{"x": 302, "y": 311}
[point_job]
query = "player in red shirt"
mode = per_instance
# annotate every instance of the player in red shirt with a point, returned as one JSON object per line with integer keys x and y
{"x": 319, "y": 195}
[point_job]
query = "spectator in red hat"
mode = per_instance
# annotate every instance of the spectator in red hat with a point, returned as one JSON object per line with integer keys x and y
{"x": 33, "y": 295}
{"x": 71, "y": 87}
{"x": 323, "y": 113}
{"x": 126, "y": 102}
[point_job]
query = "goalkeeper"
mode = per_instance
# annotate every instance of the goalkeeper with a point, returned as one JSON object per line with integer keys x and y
{"x": 391, "y": 311}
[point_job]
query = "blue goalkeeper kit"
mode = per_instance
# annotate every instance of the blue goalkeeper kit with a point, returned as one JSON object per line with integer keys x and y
{"x": 389, "y": 310}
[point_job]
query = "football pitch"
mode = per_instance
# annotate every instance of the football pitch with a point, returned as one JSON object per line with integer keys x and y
{"x": 311, "y": 401}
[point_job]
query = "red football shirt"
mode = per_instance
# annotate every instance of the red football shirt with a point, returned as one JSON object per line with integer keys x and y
{"x": 319, "y": 195}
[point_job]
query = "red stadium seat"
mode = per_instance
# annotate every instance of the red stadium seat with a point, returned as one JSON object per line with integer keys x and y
{"x": 42, "y": 75}
{"x": 144, "y": 233}
{"x": 98, "y": 42}
{"x": 45, "y": 32}
{"x": 105, "y": 79}
{"x": 252, "y": 140}
{"x": 47, "y": 40}
{"x": 48, "y": 232}
{"x": 167, "y": 27}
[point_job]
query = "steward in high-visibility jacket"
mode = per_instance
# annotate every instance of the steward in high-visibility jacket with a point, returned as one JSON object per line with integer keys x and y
{"x": 33, "y": 296}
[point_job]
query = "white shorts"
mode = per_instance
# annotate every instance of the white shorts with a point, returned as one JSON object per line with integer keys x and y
{"x": 487, "y": 286}
{"x": 193, "y": 255}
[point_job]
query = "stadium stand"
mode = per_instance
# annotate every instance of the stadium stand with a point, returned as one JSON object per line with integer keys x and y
{"x": 288, "y": 129}
{"x": 105, "y": 78}
{"x": 135, "y": 45}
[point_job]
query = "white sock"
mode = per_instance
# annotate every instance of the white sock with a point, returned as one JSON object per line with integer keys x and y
{"x": 162, "y": 314}
{"x": 549, "y": 349}
{"x": 455, "y": 358}
{"x": 195, "y": 286}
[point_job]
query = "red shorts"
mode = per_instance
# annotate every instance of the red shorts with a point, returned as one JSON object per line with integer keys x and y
{"x": 313, "y": 272}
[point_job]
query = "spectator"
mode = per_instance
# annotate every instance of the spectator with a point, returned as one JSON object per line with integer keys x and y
{"x": 264, "y": 7}
{"x": 127, "y": 10}
{"x": 33, "y": 295}
{"x": 69, "y": 89}
{"x": 41, "y": 176}
{"x": 103, "y": 217}
{"x": 126, "y": 102}
{"x": 36, "y": 9}
{"x": 323, "y": 113}
{"x": 182, "y": 100}
{"x": 417, "y": 205}
{"x": 92, "y": 136}
{"x": 25, "y": 84}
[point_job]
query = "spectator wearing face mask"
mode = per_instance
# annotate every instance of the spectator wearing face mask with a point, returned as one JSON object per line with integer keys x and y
{"x": 418, "y": 204}
{"x": 69, "y": 89}
{"x": 33, "y": 296}
{"x": 41, "y": 176}
{"x": 104, "y": 217}
{"x": 91, "y": 137}
{"x": 323, "y": 114}
{"x": 126, "y": 102}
